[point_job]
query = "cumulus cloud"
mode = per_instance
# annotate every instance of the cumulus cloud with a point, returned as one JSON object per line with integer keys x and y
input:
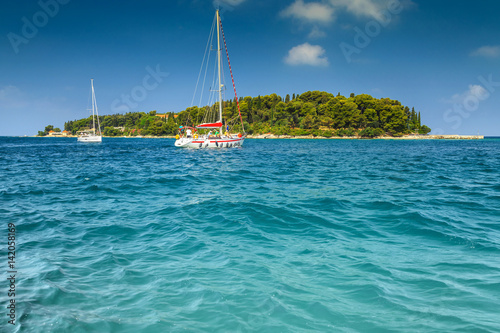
{"x": 227, "y": 4}
{"x": 306, "y": 54}
{"x": 371, "y": 8}
{"x": 474, "y": 91}
{"x": 317, "y": 12}
{"x": 487, "y": 51}
{"x": 325, "y": 11}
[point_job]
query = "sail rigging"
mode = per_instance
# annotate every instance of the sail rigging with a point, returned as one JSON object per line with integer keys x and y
{"x": 232, "y": 78}
{"x": 219, "y": 135}
{"x": 92, "y": 137}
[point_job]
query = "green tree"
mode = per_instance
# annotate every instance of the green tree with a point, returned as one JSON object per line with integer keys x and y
{"x": 308, "y": 122}
{"x": 48, "y": 129}
{"x": 371, "y": 117}
{"x": 336, "y": 115}
{"x": 394, "y": 119}
{"x": 424, "y": 130}
{"x": 307, "y": 109}
{"x": 111, "y": 131}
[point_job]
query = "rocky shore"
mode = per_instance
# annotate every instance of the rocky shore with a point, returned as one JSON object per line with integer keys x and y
{"x": 405, "y": 137}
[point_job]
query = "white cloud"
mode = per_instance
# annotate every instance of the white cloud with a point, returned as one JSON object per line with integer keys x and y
{"x": 477, "y": 90}
{"x": 487, "y": 51}
{"x": 307, "y": 54}
{"x": 324, "y": 12}
{"x": 230, "y": 3}
{"x": 310, "y": 12}
{"x": 316, "y": 33}
{"x": 474, "y": 91}
{"x": 372, "y": 8}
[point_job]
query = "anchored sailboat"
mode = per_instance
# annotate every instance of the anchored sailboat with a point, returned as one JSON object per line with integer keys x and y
{"x": 219, "y": 135}
{"x": 91, "y": 136}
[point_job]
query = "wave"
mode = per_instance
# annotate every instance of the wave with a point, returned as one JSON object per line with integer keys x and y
{"x": 281, "y": 235}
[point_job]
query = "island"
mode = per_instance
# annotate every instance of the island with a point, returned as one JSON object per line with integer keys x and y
{"x": 313, "y": 114}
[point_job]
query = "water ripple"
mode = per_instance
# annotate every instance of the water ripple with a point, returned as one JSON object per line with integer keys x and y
{"x": 280, "y": 235}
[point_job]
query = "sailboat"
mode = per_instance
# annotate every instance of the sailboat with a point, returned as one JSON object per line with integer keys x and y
{"x": 219, "y": 130}
{"x": 91, "y": 136}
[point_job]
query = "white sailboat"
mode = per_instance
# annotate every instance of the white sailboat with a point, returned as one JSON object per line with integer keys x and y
{"x": 92, "y": 136}
{"x": 219, "y": 135}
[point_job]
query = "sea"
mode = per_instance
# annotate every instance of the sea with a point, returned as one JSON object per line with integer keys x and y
{"x": 135, "y": 235}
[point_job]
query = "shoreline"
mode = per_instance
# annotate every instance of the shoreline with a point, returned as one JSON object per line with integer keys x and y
{"x": 272, "y": 136}
{"x": 405, "y": 137}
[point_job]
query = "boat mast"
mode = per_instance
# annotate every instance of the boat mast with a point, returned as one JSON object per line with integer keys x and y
{"x": 218, "y": 61}
{"x": 93, "y": 104}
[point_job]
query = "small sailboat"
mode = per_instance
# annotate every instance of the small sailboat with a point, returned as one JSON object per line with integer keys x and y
{"x": 91, "y": 135}
{"x": 219, "y": 130}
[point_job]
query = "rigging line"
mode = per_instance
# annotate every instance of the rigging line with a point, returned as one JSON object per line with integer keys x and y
{"x": 210, "y": 113}
{"x": 203, "y": 61}
{"x": 232, "y": 78}
{"x": 210, "y": 41}
{"x": 97, "y": 113}
{"x": 88, "y": 101}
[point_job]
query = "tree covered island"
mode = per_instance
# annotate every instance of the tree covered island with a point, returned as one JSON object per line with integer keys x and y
{"x": 313, "y": 113}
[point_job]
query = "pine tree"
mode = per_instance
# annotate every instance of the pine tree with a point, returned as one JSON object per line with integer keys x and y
{"x": 287, "y": 98}
{"x": 413, "y": 123}
{"x": 408, "y": 117}
{"x": 258, "y": 102}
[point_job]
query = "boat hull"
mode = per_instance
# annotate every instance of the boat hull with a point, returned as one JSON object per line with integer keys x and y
{"x": 90, "y": 138}
{"x": 209, "y": 143}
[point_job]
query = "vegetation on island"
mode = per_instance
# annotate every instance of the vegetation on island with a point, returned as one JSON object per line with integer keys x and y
{"x": 48, "y": 129}
{"x": 313, "y": 113}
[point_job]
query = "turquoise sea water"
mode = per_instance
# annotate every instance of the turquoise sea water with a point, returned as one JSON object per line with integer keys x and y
{"x": 134, "y": 235}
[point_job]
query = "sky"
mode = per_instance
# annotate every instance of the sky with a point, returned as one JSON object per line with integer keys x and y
{"x": 441, "y": 57}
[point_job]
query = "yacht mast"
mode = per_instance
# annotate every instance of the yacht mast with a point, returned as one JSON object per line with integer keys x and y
{"x": 93, "y": 104}
{"x": 219, "y": 63}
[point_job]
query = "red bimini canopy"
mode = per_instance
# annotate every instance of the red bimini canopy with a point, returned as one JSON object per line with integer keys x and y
{"x": 186, "y": 127}
{"x": 210, "y": 125}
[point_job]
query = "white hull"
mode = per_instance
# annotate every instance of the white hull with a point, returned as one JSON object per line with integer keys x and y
{"x": 90, "y": 138}
{"x": 202, "y": 143}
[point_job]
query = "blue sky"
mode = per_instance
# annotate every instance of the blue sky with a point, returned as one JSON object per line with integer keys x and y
{"x": 441, "y": 57}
